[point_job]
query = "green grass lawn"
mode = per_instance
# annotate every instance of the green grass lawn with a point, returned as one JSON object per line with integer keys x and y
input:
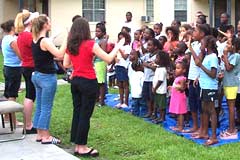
{"x": 120, "y": 136}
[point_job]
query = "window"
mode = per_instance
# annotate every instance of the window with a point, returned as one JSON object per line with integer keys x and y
{"x": 149, "y": 9}
{"x": 94, "y": 10}
{"x": 180, "y": 10}
{"x": 28, "y": 4}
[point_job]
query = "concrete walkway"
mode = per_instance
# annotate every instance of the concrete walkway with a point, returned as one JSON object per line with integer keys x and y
{"x": 28, "y": 148}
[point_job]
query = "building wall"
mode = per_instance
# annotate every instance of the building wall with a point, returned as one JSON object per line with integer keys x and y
{"x": 10, "y": 9}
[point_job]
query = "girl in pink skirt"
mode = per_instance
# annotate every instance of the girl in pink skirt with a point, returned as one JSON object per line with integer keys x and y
{"x": 178, "y": 101}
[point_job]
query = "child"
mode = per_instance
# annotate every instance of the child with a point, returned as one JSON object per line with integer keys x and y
{"x": 137, "y": 38}
{"x": 179, "y": 52}
{"x": 178, "y": 101}
{"x": 100, "y": 65}
{"x": 162, "y": 40}
{"x": 209, "y": 88}
{"x": 136, "y": 79}
{"x": 157, "y": 29}
{"x": 230, "y": 84}
{"x": 121, "y": 69}
{"x": 172, "y": 39}
{"x": 111, "y": 75}
{"x": 148, "y": 34}
{"x": 160, "y": 85}
{"x": 149, "y": 68}
{"x": 194, "y": 89}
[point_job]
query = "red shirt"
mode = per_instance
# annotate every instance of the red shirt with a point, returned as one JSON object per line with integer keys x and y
{"x": 83, "y": 62}
{"x": 24, "y": 43}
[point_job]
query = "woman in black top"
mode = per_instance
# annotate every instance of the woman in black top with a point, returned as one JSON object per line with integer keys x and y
{"x": 44, "y": 77}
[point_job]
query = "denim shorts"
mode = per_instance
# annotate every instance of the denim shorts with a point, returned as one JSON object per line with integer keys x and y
{"x": 12, "y": 77}
{"x": 121, "y": 73}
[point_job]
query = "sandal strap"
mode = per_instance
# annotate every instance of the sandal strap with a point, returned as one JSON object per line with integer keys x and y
{"x": 55, "y": 140}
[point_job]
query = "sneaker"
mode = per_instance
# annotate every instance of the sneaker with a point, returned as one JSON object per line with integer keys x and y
{"x": 227, "y": 135}
{"x": 124, "y": 105}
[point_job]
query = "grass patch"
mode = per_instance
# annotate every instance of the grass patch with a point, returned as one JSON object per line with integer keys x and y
{"x": 120, "y": 136}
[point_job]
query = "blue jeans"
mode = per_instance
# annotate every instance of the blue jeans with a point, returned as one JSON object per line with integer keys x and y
{"x": 45, "y": 85}
{"x": 139, "y": 107}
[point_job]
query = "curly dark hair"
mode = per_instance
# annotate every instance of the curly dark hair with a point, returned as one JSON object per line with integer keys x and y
{"x": 156, "y": 43}
{"x": 164, "y": 58}
{"x": 175, "y": 32}
{"x": 79, "y": 32}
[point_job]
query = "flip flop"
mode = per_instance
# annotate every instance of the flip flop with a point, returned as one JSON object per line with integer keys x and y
{"x": 53, "y": 141}
{"x": 210, "y": 142}
{"x": 88, "y": 154}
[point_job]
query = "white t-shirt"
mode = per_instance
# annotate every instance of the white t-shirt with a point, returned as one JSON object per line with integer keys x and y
{"x": 122, "y": 62}
{"x": 136, "y": 81}
{"x": 193, "y": 69}
{"x": 160, "y": 75}
{"x": 220, "y": 48}
{"x": 148, "y": 72}
{"x": 133, "y": 28}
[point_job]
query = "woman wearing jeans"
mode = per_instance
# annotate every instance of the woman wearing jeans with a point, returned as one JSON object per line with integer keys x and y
{"x": 80, "y": 54}
{"x": 44, "y": 77}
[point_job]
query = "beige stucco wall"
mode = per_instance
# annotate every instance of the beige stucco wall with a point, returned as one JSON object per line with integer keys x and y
{"x": 61, "y": 13}
{"x": 197, "y": 5}
{"x": 10, "y": 9}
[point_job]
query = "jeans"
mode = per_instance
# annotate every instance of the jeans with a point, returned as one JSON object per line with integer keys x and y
{"x": 139, "y": 107}
{"x": 45, "y": 85}
{"x": 84, "y": 93}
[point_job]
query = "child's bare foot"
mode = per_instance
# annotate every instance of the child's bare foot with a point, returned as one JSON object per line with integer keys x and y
{"x": 200, "y": 136}
{"x": 210, "y": 142}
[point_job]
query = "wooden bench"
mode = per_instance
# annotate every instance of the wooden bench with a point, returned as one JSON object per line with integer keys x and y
{"x": 10, "y": 107}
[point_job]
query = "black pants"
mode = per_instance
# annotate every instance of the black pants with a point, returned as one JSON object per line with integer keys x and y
{"x": 84, "y": 96}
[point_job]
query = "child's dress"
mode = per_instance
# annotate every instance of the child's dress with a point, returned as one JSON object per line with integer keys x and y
{"x": 178, "y": 101}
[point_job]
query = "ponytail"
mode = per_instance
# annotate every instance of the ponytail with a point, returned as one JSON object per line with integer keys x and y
{"x": 19, "y": 20}
{"x": 37, "y": 25}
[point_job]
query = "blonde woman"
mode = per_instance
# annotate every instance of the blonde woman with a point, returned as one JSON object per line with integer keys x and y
{"x": 44, "y": 77}
{"x": 23, "y": 24}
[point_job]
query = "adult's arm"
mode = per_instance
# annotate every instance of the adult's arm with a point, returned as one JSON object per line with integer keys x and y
{"x": 14, "y": 46}
{"x": 103, "y": 55}
{"x": 47, "y": 45}
{"x": 66, "y": 61}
